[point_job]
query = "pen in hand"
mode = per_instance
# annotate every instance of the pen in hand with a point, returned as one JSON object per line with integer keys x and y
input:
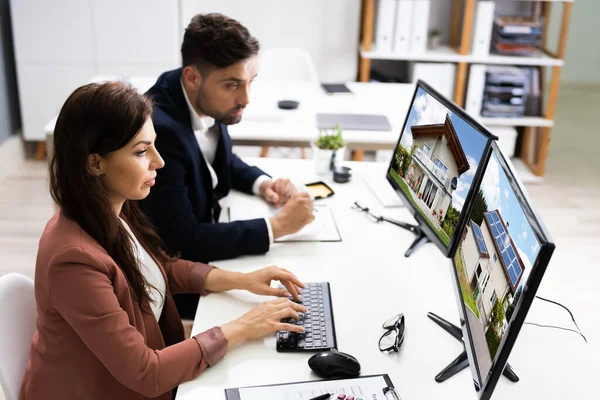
{"x": 289, "y": 195}
{"x": 325, "y": 396}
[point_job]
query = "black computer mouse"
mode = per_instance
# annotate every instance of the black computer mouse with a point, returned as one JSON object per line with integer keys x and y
{"x": 334, "y": 364}
{"x": 287, "y": 104}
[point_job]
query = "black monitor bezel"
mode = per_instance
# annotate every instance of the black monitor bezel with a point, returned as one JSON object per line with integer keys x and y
{"x": 530, "y": 287}
{"x": 432, "y": 236}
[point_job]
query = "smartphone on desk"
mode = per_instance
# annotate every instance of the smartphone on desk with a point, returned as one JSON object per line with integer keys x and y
{"x": 319, "y": 190}
{"x": 335, "y": 88}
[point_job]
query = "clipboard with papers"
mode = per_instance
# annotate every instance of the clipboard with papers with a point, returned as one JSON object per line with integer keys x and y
{"x": 373, "y": 387}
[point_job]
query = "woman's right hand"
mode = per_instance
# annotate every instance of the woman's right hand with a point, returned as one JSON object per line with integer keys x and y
{"x": 263, "y": 320}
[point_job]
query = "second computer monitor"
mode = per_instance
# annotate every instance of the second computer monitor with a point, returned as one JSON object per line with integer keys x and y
{"x": 435, "y": 162}
{"x": 502, "y": 254}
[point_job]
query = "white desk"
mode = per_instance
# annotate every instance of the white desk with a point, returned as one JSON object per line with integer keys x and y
{"x": 370, "y": 282}
{"x": 264, "y": 124}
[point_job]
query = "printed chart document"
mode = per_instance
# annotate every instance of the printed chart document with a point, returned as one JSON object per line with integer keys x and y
{"x": 367, "y": 388}
{"x": 322, "y": 229}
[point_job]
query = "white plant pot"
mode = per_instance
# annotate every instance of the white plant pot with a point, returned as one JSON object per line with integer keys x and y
{"x": 323, "y": 159}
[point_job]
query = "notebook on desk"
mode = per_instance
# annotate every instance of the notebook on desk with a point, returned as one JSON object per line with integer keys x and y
{"x": 382, "y": 189}
{"x": 365, "y": 388}
{"x": 354, "y": 122}
{"x": 322, "y": 229}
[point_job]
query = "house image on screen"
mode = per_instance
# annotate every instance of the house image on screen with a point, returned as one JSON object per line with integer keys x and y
{"x": 492, "y": 263}
{"x": 437, "y": 163}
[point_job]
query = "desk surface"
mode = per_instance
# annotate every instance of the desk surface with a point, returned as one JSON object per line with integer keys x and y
{"x": 370, "y": 282}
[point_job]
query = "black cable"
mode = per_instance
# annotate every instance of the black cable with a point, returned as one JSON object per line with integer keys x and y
{"x": 556, "y": 327}
{"x": 558, "y": 304}
{"x": 570, "y": 313}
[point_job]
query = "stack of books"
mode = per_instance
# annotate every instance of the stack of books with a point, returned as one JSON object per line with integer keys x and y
{"x": 517, "y": 36}
{"x": 505, "y": 93}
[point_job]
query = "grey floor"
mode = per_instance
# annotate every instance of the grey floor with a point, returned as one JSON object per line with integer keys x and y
{"x": 567, "y": 200}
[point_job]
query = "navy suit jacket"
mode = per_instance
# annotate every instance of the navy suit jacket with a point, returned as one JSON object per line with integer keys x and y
{"x": 182, "y": 203}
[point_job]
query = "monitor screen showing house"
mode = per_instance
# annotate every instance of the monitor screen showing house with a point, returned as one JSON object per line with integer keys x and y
{"x": 494, "y": 258}
{"x": 436, "y": 160}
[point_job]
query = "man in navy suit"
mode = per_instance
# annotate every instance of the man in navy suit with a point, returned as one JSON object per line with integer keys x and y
{"x": 193, "y": 106}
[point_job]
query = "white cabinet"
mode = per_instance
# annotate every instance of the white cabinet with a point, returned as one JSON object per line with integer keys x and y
{"x": 42, "y": 91}
{"x": 46, "y": 31}
{"x": 137, "y": 32}
{"x": 60, "y": 45}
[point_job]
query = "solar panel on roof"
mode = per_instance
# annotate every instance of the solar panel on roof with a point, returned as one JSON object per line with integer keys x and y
{"x": 479, "y": 237}
{"x": 508, "y": 252}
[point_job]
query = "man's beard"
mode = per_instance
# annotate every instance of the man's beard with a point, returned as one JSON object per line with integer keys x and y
{"x": 203, "y": 104}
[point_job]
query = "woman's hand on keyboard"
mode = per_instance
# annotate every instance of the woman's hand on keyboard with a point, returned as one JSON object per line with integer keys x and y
{"x": 263, "y": 320}
{"x": 259, "y": 282}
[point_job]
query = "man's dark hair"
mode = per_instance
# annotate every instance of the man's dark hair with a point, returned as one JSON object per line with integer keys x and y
{"x": 216, "y": 41}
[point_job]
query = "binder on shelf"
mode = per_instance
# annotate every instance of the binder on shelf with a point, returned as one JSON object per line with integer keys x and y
{"x": 533, "y": 106}
{"x": 475, "y": 90}
{"x": 404, "y": 16}
{"x": 484, "y": 25}
{"x": 448, "y": 77}
{"x": 440, "y": 76}
{"x": 507, "y": 139}
{"x": 384, "y": 33}
{"x": 420, "y": 26}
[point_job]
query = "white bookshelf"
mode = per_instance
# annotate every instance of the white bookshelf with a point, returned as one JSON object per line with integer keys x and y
{"x": 543, "y": 60}
{"x": 441, "y": 54}
{"x": 459, "y": 52}
{"x": 521, "y": 121}
{"x": 447, "y": 54}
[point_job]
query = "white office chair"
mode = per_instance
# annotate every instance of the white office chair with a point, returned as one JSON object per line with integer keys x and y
{"x": 286, "y": 64}
{"x": 18, "y": 315}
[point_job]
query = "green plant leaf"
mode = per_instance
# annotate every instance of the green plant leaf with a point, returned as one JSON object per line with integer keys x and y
{"x": 330, "y": 140}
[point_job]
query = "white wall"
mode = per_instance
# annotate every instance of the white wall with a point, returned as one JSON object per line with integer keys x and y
{"x": 582, "y": 58}
{"x": 328, "y": 29}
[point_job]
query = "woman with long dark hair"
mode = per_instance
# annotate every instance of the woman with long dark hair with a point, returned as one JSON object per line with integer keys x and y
{"x": 107, "y": 325}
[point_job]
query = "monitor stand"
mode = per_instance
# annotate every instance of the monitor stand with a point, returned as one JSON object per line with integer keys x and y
{"x": 461, "y": 362}
{"x": 420, "y": 239}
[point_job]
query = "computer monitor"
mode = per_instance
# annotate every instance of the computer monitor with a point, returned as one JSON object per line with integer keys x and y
{"x": 435, "y": 162}
{"x": 498, "y": 265}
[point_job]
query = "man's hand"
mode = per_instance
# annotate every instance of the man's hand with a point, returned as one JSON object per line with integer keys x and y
{"x": 277, "y": 192}
{"x": 297, "y": 213}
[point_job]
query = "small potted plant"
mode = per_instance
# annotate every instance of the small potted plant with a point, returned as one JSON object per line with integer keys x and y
{"x": 435, "y": 36}
{"x": 328, "y": 150}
